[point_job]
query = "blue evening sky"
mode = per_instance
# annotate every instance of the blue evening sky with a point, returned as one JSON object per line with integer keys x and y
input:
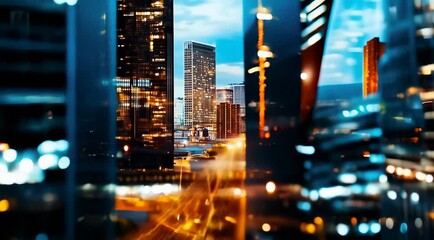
{"x": 215, "y": 22}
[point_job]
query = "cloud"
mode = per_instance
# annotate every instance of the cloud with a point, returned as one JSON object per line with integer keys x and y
{"x": 235, "y": 69}
{"x": 208, "y": 19}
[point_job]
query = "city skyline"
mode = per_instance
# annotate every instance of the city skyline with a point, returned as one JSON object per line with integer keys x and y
{"x": 195, "y": 21}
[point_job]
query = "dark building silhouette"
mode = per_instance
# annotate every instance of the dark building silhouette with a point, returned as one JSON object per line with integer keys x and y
{"x": 228, "y": 120}
{"x": 314, "y": 18}
{"x": 145, "y": 79}
{"x": 282, "y": 102}
{"x": 57, "y": 119}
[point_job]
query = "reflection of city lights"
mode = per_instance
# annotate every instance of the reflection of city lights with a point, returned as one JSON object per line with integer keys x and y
{"x": 63, "y": 163}
{"x": 303, "y": 76}
{"x": 270, "y": 187}
{"x": 266, "y": 227}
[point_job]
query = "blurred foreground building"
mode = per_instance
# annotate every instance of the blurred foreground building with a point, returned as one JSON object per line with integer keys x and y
{"x": 58, "y": 119}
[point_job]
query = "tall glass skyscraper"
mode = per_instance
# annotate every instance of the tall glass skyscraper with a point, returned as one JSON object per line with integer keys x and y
{"x": 145, "y": 73}
{"x": 200, "y": 84}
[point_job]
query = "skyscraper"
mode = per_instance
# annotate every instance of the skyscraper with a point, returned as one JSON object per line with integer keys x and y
{"x": 224, "y": 95}
{"x": 228, "y": 120}
{"x": 200, "y": 84}
{"x": 372, "y": 52}
{"x": 145, "y": 73}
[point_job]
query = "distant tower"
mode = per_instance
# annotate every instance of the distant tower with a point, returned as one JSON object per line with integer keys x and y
{"x": 228, "y": 120}
{"x": 224, "y": 95}
{"x": 179, "y": 112}
{"x": 239, "y": 96}
{"x": 200, "y": 84}
{"x": 372, "y": 52}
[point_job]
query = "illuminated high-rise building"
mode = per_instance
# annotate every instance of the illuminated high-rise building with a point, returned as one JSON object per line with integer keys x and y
{"x": 372, "y": 52}
{"x": 200, "y": 84}
{"x": 224, "y": 95}
{"x": 228, "y": 120}
{"x": 145, "y": 74}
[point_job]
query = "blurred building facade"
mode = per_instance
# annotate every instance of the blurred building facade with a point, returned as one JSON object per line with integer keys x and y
{"x": 60, "y": 135}
{"x": 224, "y": 95}
{"x": 372, "y": 52}
{"x": 179, "y": 112}
{"x": 145, "y": 77}
{"x": 200, "y": 84}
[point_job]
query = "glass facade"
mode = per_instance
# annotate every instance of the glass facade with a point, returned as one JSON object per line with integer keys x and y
{"x": 145, "y": 74}
{"x": 200, "y": 84}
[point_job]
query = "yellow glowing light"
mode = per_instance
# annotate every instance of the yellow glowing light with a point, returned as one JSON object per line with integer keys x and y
{"x": 353, "y": 221}
{"x": 188, "y": 225}
{"x": 196, "y": 220}
{"x": 270, "y": 187}
{"x": 266, "y": 227}
{"x": 126, "y": 148}
{"x": 390, "y": 169}
{"x": 237, "y": 191}
{"x": 230, "y": 219}
{"x": 318, "y": 221}
{"x": 399, "y": 171}
{"x": 267, "y": 135}
{"x": 420, "y": 176}
{"x": 310, "y": 228}
{"x": 4, "y": 205}
{"x": 4, "y": 147}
